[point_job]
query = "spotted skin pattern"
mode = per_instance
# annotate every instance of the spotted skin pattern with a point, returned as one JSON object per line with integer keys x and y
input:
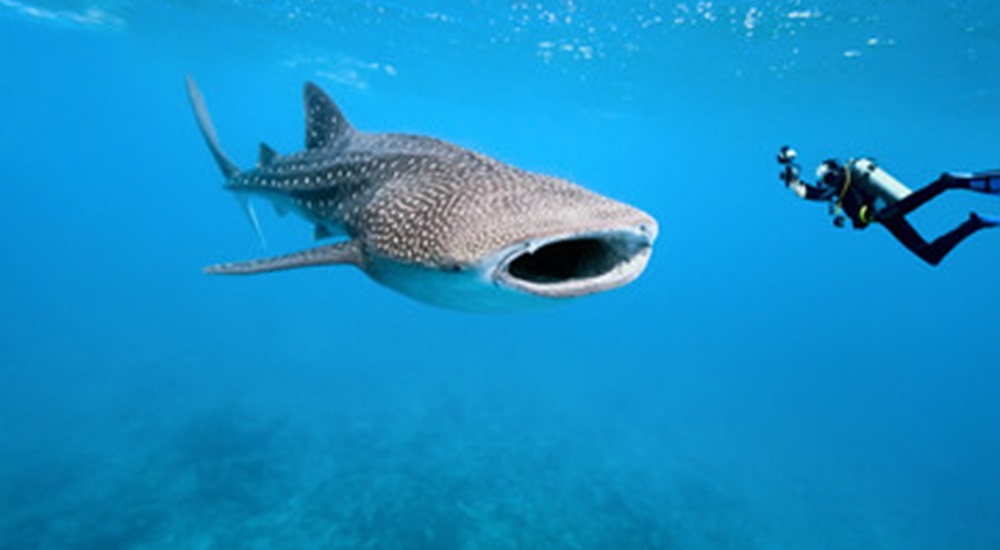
{"x": 414, "y": 200}
{"x": 423, "y": 200}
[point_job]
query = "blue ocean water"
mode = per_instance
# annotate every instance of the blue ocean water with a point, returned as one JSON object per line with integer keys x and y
{"x": 770, "y": 382}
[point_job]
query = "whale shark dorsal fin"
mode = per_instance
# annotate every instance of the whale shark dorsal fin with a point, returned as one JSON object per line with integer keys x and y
{"x": 325, "y": 124}
{"x": 267, "y": 155}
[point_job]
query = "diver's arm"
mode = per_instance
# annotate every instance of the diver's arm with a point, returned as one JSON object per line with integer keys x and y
{"x": 790, "y": 175}
{"x": 808, "y": 192}
{"x": 802, "y": 189}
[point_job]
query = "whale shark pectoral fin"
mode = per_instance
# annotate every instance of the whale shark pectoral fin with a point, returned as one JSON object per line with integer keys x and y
{"x": 347, "y": 252}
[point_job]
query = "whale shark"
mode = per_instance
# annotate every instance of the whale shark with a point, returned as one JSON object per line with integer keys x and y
{"x": 437, "y": 222}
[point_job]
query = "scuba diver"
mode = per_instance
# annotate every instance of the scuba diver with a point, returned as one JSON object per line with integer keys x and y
{"x": 867, "y": 194}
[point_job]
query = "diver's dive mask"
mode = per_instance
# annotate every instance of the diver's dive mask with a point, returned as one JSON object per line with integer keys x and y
{"x": 831, "y": 174}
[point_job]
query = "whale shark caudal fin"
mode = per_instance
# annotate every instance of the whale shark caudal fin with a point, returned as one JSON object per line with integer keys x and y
{"x": 228, "y": 167}
{"x": 326, "y": 126}
{"x": 347, "y": 252}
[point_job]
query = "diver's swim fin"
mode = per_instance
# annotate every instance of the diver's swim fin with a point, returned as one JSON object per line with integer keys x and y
{"x": 985, "y": 221}
{"x": 985, "y": 182}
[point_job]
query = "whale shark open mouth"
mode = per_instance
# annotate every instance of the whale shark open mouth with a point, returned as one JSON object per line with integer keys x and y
{"x": 577, "y": 264}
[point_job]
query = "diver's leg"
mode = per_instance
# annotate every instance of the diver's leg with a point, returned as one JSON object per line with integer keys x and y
{"x": 919, "y": 197}
{"x": 934, "y": 252}
{"x": 905, "y": 234}
{"x": 983, "y": 182}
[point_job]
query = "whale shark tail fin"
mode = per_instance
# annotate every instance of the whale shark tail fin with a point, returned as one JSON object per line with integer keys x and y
{"x": 228, "y": 167}
{"x": 226, "y": 164}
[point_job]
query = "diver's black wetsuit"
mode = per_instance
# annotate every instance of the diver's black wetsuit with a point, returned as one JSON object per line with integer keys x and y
{"x": 892, "y": 217}
{"x": 859, "y": 206}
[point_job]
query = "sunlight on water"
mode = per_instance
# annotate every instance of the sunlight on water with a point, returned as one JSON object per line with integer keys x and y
{"x": 600, "y": 38}
{"x": 92, "y": 15}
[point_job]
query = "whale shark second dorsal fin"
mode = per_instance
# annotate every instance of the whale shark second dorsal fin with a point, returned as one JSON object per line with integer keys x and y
{"x": 325, "y": 124}
{"x": 267, "y": 155}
